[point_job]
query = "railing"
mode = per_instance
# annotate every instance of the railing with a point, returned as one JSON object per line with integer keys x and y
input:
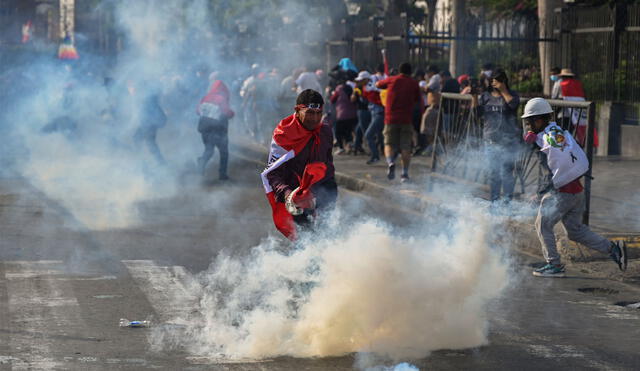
{"x": 458, "y": 144}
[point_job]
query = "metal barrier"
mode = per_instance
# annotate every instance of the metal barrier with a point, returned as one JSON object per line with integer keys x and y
{"x": 458, "y": 143}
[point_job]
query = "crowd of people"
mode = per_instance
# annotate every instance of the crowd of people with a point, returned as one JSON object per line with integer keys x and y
{"x": 395, "y": 111}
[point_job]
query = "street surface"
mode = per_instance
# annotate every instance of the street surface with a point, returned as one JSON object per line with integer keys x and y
{"x": 63, "y": 288}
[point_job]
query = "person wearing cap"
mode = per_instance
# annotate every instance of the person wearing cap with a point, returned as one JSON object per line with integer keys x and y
{"x": 501, "y": 133}
{"x": 299, "y": 179}
{"x": 559, "y": 196}
{"x": 364, "y": 115}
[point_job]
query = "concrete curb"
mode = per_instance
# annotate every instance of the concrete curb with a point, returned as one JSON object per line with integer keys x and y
{"x": 522, "y": 234}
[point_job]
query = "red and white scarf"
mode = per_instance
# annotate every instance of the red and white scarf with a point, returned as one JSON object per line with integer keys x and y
{"x": 289, "y": 139}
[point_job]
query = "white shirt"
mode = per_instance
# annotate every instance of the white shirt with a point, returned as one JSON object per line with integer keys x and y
{"x": 308, "y": 80}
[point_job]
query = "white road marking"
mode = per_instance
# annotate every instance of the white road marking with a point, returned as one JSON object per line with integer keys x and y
{"x": 38, "y": 305}
{"x": 167, "y": 288}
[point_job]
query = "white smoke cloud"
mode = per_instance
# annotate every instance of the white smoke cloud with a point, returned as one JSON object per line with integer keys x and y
{"x": 364, "y": 290}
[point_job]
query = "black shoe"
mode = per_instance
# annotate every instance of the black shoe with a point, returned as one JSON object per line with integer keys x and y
{"x": 619, "y": 254}
{"x": 372, "y": 161}
{"x": 405, "y": 179}
{"x": 223, "y": 177}
{"x": 391, "y": 171}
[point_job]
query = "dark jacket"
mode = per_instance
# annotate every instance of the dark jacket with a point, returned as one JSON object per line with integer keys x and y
{"x": 286, "y": 177}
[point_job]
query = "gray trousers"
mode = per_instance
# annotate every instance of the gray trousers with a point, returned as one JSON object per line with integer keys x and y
{"x": 568, "y": 208}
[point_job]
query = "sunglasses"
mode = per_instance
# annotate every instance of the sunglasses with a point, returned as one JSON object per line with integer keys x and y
{"x": 311, "y": 107}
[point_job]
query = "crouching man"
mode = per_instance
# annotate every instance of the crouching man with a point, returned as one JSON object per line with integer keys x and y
{"x": 560, "y": 195}
{"x": 299, "y": 178}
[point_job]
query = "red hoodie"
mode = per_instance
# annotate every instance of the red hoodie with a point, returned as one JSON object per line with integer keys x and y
{"x": 219, "y": 95}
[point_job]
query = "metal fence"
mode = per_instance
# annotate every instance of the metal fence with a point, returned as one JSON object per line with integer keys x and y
{"x": 601, "y": 45}
{"x": 458, "y": 144}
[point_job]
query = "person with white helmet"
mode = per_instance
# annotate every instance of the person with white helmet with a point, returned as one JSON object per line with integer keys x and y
{"x": 560, "y": 195}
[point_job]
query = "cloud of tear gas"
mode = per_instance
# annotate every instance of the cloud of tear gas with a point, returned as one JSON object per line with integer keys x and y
{"x": 363, "y": 290}
{"x": 76, "y": 136}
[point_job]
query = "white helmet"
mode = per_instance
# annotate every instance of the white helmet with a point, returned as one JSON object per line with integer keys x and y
{"x": 537, "y": 106}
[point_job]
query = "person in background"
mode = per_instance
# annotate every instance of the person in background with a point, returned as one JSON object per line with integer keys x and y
{"x": 364, "y": 115}
{"x": 430, "y": 116}
{"x": 419, "y": 139}
{"x": 465, "y": 84}
{"x": 323, "y": 79}
{"x": 247, "y": 90}
{"x": 287, "y": 92}
{"x": 346, "y": 117}
{"x": 308, "y": 80}
{"x": 501, "y": 133}
{"x": 449, "y": 108}
{"x": 344, "y": 71}
{"x": 403, "y": 93}
{"x": 374, "y": 136}
{"x": 571, "y": 90}
{"x": 485, "y": 76}
{"x": 213, "y": 125}
{"x": 152, "y": 118}
{"x": 560, "y": 196}
{"x": 556, "y": 93}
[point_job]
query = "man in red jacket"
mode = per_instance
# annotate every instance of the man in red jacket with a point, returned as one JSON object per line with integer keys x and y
{"x": 299, "y": 178}
{"x": 403, "y": 93}
{"x": 214, "y": 112}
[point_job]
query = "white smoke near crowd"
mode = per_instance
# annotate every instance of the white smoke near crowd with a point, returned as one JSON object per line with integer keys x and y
{"x": 74, "y": 131}
{"x": 362, "y": 290}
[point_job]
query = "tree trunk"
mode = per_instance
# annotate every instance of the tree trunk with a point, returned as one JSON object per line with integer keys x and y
{"x": 431, "y": 8}
{"x": 457, "y": 56}
{"x": 545, "y": 49}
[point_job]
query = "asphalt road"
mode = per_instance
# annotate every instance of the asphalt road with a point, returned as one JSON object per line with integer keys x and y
{"x": 64, "y": 287}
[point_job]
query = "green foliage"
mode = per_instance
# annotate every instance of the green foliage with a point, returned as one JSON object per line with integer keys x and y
{"x": 529, "y": 86}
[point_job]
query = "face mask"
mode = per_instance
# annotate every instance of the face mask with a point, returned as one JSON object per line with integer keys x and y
{"x": 554, "y": 77}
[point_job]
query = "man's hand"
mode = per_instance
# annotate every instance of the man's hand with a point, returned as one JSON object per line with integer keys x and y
{"x": 296, "y": 205}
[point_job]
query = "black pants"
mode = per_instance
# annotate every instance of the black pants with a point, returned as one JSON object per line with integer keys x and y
{"x": 147, "y": 135}
{"x": 214, "y": 136}
{"x": 344, "y": 131}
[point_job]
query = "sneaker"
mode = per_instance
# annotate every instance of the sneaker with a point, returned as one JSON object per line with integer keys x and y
{"x": 223, "y": 177}
{"x": 391, "y": 172}
{"x": 550, "y": 270}
{"x": 405, "y": 179}
{"x": 372, "y": 161}
{"x": 619, "y": 254}
{"x": 339, "y": 151}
